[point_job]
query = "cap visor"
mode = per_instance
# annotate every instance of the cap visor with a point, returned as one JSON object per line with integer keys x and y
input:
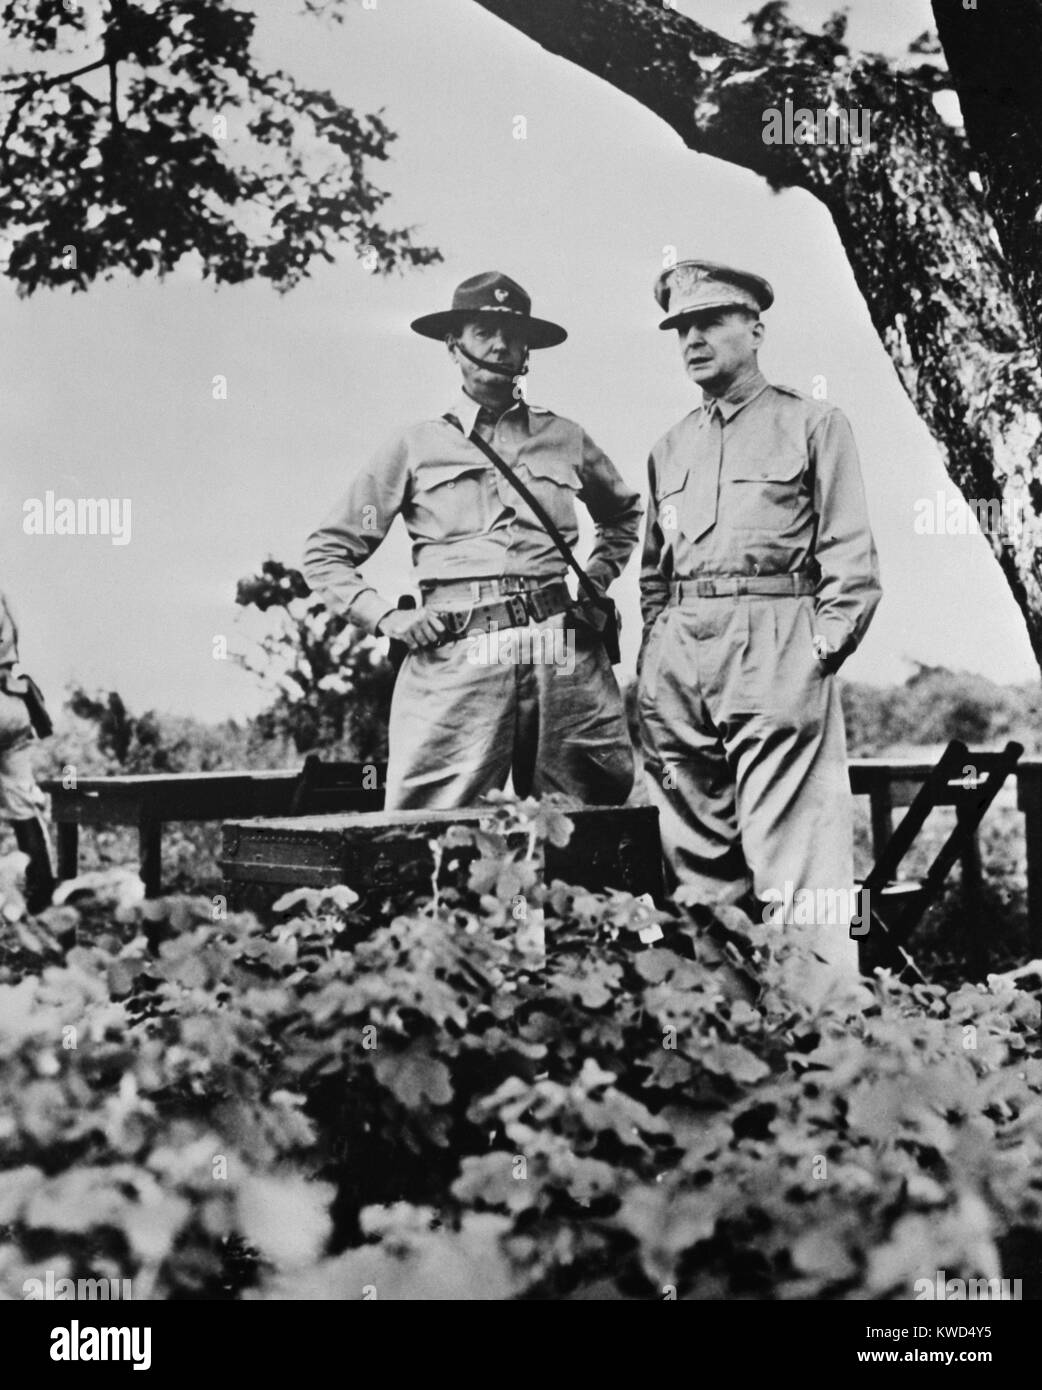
{"x": 675, "y": 320}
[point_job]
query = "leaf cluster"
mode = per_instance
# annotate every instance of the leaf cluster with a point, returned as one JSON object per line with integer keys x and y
{"x": 136, "y": 133}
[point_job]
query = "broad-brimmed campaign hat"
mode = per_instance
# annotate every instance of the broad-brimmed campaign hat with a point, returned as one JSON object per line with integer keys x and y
{"x": 493, "y": 295}
{"x": 691, "y": 286}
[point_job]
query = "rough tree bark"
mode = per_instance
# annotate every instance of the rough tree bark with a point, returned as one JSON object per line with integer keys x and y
{"x": 993, "y": 59}
{"x": 908, "y": 209}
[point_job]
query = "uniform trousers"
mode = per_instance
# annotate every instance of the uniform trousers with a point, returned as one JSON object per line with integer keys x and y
{"x": 20, "y": 798}
{"x": 745, "y": 754}
{"x": 538, "y": 703}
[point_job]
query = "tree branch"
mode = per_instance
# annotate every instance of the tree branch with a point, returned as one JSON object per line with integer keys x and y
{"x": 32, "y": 87}
{"x": 35, "y": 82}
{"x": 918, "y": 236}
{"x": 10, "y": 126}
{"x": 117, "y": 124}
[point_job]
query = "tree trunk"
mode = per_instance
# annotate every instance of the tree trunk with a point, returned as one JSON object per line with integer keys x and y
{"x": 994, "y": 64}
{"x": 909, "y": 213}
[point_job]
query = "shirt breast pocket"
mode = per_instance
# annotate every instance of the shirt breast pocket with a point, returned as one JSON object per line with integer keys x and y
{"x": 555, "y": 483}
{"x": 449, "y": 500}
{"x": 766, "y": 494}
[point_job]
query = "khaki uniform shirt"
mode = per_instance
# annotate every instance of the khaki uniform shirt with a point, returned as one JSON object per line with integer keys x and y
{"x": 766, "y": 482}
{"x": 465, "y": 520}
{"x": 8, "y": 641}
{"x": 15, "y": 729}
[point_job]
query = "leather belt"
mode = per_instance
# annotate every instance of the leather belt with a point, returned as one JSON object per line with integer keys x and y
{"x": 512, "y": 610}
{"x": 735, "y": 585}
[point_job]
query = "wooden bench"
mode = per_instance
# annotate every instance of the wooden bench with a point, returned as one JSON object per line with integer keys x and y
{"x": 148, "y": 802}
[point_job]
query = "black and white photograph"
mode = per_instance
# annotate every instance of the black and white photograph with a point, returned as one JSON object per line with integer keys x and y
{"x": 521, "y": 666}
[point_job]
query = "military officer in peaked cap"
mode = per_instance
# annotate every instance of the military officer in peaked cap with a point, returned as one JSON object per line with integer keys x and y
{"x": 461, "y": 724}
{"x": 759, "y": 579}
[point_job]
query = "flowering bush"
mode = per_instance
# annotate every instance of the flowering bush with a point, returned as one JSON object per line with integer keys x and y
{"x": 511, "y": 1090}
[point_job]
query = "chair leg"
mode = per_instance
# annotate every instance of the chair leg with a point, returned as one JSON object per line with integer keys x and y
{"x": 972, "y": 899}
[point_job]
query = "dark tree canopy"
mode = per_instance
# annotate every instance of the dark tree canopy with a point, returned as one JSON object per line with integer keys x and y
{"x": 134, "y": 133}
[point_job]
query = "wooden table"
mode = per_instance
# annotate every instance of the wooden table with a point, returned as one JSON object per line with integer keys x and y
{"x": 148, "y": 802}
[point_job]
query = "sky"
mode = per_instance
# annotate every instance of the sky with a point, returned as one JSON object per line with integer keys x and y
{"x": 110, "y": 393}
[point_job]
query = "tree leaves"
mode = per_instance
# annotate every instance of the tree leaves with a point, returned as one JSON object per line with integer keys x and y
{"x": 125, "y": 172}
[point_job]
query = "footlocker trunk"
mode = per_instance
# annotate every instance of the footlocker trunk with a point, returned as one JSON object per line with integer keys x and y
{"x": 378, "y": 852}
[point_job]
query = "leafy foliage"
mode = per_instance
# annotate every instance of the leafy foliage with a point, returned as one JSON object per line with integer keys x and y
{"x": 332, "y": 683}
{"x": 502, "y": 1092}
{"x": 134, "y": 133}
{"x": 934, "y": 705}
{"x": 105, "y": 737}
{"x": 778, "y": 37}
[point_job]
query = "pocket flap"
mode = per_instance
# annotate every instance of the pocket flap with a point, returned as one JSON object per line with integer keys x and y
{"x": 777, "y": 468}
{"x": 431, "y": 475}
{"x": 546, "y": 467}
{"x": 671, "y": 483}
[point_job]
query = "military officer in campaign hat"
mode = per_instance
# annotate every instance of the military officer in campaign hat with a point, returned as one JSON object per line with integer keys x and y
{"x": 463, "y": 718}
{"x": 20, "y": 798}
{"x": 759, "y": 579}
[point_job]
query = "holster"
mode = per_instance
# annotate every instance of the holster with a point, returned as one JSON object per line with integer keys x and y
{"x": 25, "y": 688}
{"x": 607, "y": 625}
{"x": 610, "y": 631}
{"x": 39, "y": 718}
{"x": 397, "y": 651}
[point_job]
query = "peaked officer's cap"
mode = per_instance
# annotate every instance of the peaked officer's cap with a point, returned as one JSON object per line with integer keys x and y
{"x": 691, "y": 286}
{"x": 495, "y": 296}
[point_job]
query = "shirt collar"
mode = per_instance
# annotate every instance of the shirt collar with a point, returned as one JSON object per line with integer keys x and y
{"x": 731, "y": 402}
{"x": 466, "y": 410}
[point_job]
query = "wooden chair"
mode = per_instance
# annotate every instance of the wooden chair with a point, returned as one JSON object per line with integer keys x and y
{"x": 324, "y": 788}
{"x": 967, "y": 781}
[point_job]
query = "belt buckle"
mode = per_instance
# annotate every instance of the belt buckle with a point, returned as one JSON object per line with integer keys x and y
{"x": 517, "y": 610}
{"x": 457, "y": 621}
{"x": 705, "y": 588}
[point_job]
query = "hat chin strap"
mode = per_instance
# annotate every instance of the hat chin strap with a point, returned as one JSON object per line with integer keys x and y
{"x": 492, "y": 366}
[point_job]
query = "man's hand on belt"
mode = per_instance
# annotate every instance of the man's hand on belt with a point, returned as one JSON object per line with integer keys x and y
{"x": 416, "y": 627}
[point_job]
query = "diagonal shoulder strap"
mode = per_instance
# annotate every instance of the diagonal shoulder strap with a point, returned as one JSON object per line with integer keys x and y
{"x": 587, "y": 585}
